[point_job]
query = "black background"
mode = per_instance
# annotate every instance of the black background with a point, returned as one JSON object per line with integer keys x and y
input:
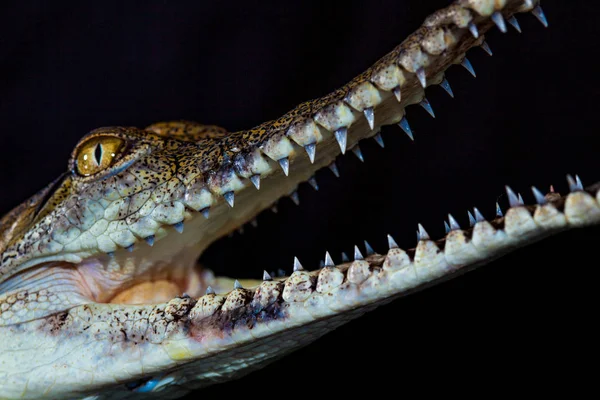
{"x": 528, "y": 118}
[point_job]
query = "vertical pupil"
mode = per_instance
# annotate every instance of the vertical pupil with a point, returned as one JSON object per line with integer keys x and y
{"x": 98, "y": 153}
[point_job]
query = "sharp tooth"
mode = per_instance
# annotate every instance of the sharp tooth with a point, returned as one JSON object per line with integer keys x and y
{"x": 539, "y": 197}
{"x": 467, "y": 64}
{"x": 313, "y": 182}
{"x": 520, "y": 198}
{"x": 478, "y": 215}
{"x": 425, "y": 104}
{"x": 280, "y": 272}
{"x": 472, "y": 220}
{"x": 473, "y": 29}
{"x": 334, "y": 169}
{"x": 267, "y": 276}
{"x": 528, "y": 3}
{"x": 453, "y": 224}
{"x": 539, "y": 14}
{"x": 241, "y": 230}
{"x": 311, "y": 149}
{"x": 446, "y": 86}
{"x": 574, "y": 184}
{"x": 499, "y": 21}
{"x": 379, "y": 140}
{"x": 210, "y": 290}
{"x": 421, "y": 76}
{"x": 328, "y": 260}
{"x": 486, "y": 47}
{"x": 149, "y": 240}
{"x": 255, "y": 179}
{"x": 205, "y": 212}
{"x": 397, "y": 93}
{"x": 237, "y": 285}
{"x": 446, "y": 227}
{"x": 369, "y": 249}
{"x": 498, "y": 211}
{"x": 513, "y": 200}
{"x": 422, "y": 233}
{"x": 358, "y": 153}
{"x": 370, "y": 116}
{"x": 178, "y": 227}
{"x": 341, "y": 135}
{"x": 391, "y": 242}
{"x": 295, "y": 198}
{"x": 345, "y": 258}
{"x": 229, "y": 198}
{"x": 357, "y": 254}
{"x": 254, "y": 223}
{"x": 297, "y": 265}
{"x": 285, "y": 165}
{"x": 578, "y": 181}
{"x": 274, "y": 209}
{"x": 515, "y": 24}
{"x": 406, "y": 128}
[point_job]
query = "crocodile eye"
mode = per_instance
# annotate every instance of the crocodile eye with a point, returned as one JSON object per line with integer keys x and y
{"x": 97, "y": 154}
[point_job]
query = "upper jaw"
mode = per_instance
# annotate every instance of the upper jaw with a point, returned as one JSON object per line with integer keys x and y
{"x": 315, "y": 131}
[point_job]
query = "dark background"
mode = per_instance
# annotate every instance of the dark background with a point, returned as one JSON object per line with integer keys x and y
{"x": 529, "y": 118}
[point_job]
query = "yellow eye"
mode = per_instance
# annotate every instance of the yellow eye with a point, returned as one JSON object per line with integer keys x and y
{"x": 97, "y": 154}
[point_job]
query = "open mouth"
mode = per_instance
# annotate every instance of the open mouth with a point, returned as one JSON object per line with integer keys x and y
{"x": 153, "y": 255}
{"x": 160, "y": 257}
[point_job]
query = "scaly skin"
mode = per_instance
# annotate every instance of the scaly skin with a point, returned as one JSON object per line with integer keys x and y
{"x": 188, "y": 340}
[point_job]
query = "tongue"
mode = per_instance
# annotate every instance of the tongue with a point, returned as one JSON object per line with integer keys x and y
{"x": 148, "y": 293}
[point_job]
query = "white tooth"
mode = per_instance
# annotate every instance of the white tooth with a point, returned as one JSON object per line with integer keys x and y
{"x": 179, "y": 227}
{"x": 357, "y": 254}
{"x": 255, "y": 179}
{"x": 472, "y": 220}
{"x": 311, "y": 150}
{"x": 423, "y": 235}
{"x": 513, "y": 200}
{"x": 421, "y": 76}
{"x": 297, "y": 265}
{"x": 295, "y": 198}
{"x": 499, "y": 21}
{"x": 229, "y": 197}
{"x": 341, "y": 135}
{"x": 358, "y": 153}
{"x": 285, "y": 165}
{"x": 328, "y": 260}
{"x": 454, "y": 226}
{"x": 478, "y": 216}
{"x": 391, "y": 242}
{"x": 370, "y": 116}
{"x": 474, "y": 31}
{"x": 539, "y": 197}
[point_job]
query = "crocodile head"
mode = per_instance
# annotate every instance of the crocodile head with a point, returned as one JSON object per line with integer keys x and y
{"x": 98, "y": 262}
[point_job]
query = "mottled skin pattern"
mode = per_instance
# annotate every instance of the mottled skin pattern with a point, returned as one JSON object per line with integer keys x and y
{"x": 171, "y": 171}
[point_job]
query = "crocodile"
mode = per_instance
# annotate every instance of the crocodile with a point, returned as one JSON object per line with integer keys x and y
{"x": 119, "y": 292}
